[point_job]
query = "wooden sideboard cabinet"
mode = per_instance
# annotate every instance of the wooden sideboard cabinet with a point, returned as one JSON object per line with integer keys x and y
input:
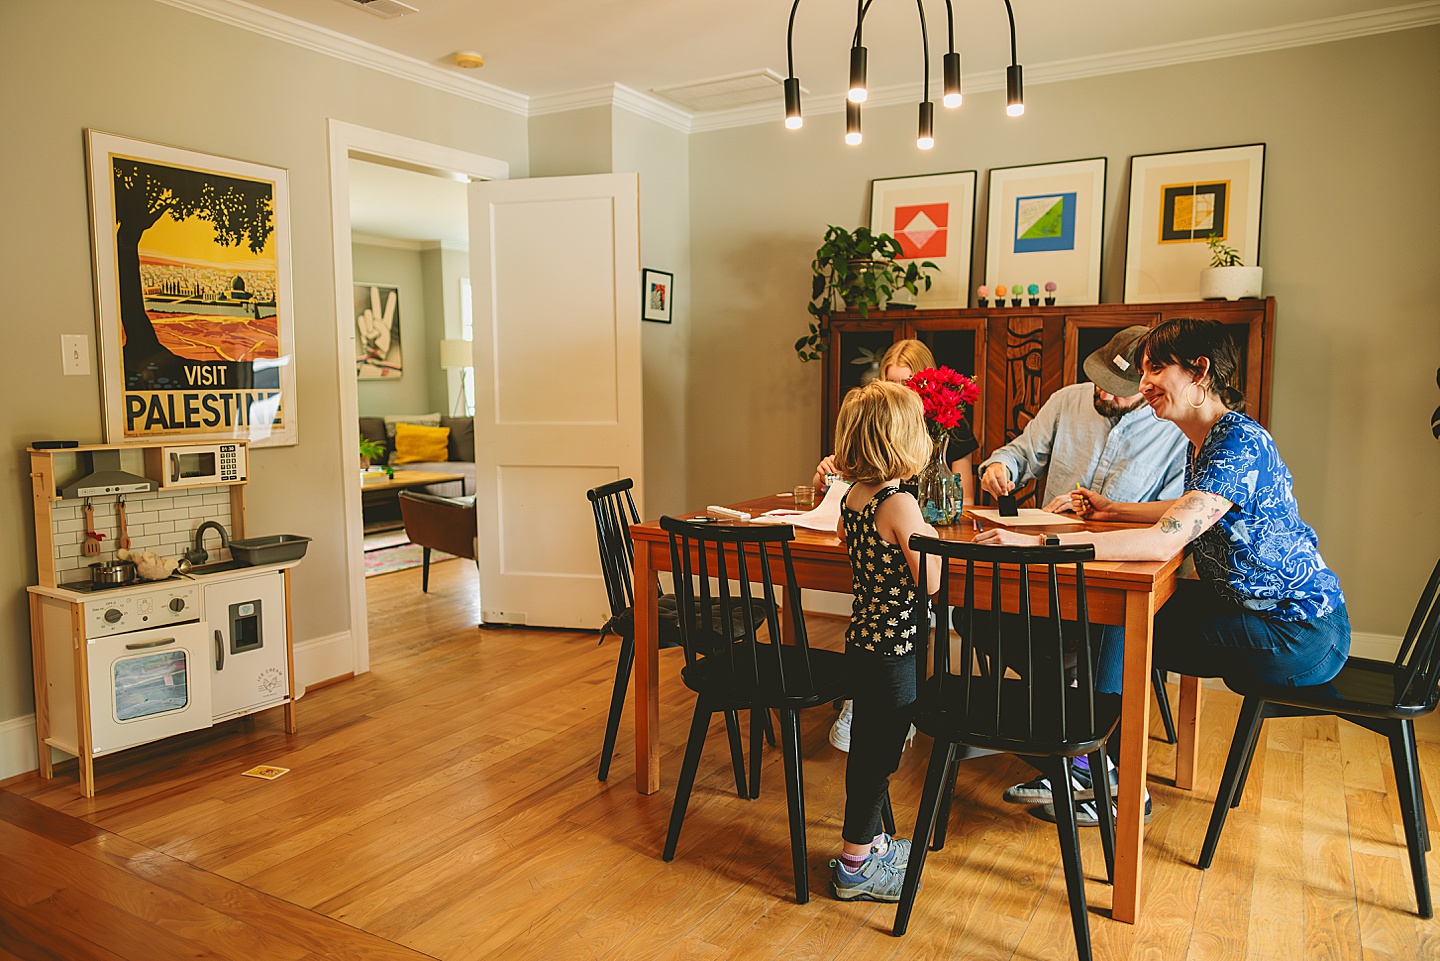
{"x": 1021, "y": 355}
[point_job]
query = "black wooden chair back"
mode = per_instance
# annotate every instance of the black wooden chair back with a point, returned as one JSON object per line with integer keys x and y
{"x": 614, "y": 508}
{"x": 1023, "y": 716}
{"x": 1417, "y": 663}
{"x": 778, "y": 667}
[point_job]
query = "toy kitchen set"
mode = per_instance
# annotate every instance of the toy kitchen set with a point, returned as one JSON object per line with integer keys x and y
{"x": 122, "y": 660}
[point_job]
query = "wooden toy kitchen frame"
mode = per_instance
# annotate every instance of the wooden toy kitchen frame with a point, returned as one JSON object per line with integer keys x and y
{"x": 128, "y": 665}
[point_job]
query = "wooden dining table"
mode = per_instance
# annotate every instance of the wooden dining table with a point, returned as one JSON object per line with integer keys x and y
{"x": 1127, "y": 593}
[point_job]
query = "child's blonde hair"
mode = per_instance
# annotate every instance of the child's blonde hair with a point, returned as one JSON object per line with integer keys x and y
{"x": 907, "y": 353}
{"x": 880, "y": 434}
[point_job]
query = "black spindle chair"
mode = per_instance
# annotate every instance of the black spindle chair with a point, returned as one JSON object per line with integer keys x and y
{"x": 614, "y": 508}
{"x": 780, "y": 672}
{"x": 1382, "y": 696}
{"x": 1040, "y": 715}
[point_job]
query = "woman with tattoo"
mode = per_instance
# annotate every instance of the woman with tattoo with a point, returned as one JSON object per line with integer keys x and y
{"x": 1265, "y": 605}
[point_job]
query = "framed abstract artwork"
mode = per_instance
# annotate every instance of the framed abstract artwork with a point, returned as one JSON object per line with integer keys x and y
{"x": 1044, "y": 227}
{"x": 195, "y": 322}
{"x": 1177, "y": 201}
{"x": 933, "y": 218}
{"x": 657, "y": 291}
{"x": 377, "y": 332}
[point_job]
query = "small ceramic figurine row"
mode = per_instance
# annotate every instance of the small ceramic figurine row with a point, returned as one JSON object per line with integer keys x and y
{"x": 1018, "y": 294}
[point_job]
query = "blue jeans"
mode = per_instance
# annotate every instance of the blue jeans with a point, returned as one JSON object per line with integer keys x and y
{"x": 1202, "y": 634}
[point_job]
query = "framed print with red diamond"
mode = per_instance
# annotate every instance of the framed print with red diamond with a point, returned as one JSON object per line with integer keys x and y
{"x": 1044, "y": 227}
{"x": 933, "y": 218}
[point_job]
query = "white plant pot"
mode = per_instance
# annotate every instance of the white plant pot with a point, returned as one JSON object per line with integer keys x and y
{"x": 1230, "y": 283}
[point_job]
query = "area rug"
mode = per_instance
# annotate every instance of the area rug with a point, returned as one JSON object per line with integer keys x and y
{"x": 387, "y": 560}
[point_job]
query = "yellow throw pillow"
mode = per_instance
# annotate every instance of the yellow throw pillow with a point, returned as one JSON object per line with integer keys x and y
{"x": 416, "y": 444}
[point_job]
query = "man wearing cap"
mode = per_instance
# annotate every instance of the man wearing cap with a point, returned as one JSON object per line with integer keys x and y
{"x": 1101, "y": 435}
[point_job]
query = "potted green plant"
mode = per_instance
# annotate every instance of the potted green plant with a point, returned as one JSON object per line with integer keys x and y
{"x": 1227, "y": 277}
{"x": 371, "y": 450}
{"x": 855, "y": 269}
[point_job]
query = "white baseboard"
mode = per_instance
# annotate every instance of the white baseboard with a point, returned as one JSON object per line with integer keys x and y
{"x": 322, "y": 658}
{"x": 825, "y": 602}
{"x": 17, "y": 746}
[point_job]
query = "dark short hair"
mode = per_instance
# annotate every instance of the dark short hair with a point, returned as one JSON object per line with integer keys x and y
{"x": 1184, "y": 340}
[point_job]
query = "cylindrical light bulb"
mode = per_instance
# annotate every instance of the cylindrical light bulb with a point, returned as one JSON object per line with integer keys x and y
{"x": 858, "y": 93}
{"x": 852, "y": 123}
{"x": 926, "y": 140}
{"x": 1014, "y": 91}
{"x": 953, "y": 96}
{"x": 793, "y": 120}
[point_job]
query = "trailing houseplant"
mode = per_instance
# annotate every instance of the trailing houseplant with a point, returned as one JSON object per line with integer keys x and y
{"x": 1227, "y": 277}
{"x": 856, "y": 269}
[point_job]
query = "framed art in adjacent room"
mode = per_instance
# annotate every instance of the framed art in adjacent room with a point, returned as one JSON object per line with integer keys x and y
{"x": 377, "y": 332}
{"x": 657, "y": 291}
{"x": 191, "y": 254}
{"x": 1177, "y": 201}
{"x": 1044, "y": 227}
{"x": 933, "y": 218}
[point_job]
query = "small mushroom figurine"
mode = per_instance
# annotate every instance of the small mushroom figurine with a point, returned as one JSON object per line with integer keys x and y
{"x": 982, "y": 296}
{"x": 1017, "y": 295}
{"x": 1033, "y": 291}
{"x": 999, "y": 295}
{"x": 1049, "y": 293}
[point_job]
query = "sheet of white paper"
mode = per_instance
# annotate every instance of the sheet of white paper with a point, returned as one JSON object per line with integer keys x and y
{"x": 824, "y": 517}
{"x": 1029, "y": 517}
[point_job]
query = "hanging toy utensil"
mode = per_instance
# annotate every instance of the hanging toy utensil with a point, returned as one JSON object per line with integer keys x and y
{"x": 91, "y": 547}
{"x": 122, "y": 536}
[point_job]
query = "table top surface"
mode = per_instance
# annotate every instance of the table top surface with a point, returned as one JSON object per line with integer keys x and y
{"x": 826, "y": 546}
{"x": 409, "y": 478}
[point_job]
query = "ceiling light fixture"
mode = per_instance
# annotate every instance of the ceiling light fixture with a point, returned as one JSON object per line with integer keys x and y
{"x": 468, "y": 59}
{"x": 858, "y": 91}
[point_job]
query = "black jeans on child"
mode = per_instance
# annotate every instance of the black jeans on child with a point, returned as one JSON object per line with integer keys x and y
{"x": 884, "y": 694}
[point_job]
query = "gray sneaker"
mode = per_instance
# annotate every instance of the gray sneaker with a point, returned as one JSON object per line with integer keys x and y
{"x": 898, "y": 853}
{"x": 877, "y": 880}
{"x": 1038, "y": 791}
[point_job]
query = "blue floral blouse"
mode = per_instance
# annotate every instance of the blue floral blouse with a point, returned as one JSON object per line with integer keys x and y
{"x": 1260, "y": 554}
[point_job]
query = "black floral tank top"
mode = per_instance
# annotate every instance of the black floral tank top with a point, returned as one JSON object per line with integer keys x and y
{"x": 882, "y": 618}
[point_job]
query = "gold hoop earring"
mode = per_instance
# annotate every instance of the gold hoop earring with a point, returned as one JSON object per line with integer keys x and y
{"x": 1202, "y": 396}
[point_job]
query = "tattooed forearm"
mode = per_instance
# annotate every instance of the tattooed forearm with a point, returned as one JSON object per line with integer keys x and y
{"x": 1203, "y": 511}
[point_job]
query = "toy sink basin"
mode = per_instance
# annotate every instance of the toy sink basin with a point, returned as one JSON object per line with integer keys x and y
{"x": 271, "y": 549}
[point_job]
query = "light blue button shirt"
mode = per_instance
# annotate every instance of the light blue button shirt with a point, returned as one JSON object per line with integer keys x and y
{"x": 1137, "y": 458}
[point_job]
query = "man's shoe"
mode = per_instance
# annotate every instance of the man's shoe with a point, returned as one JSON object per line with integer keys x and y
{"x": 1038, "y": 791}
{"x": 1086, "y": 814}
{"x": 877, "y": 880}
{"x": 840, "y": 730}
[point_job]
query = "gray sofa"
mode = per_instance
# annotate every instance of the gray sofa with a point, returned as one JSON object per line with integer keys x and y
{"x": 461, "y": 443}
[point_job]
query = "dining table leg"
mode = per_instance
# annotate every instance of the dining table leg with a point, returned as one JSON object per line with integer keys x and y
{"x": 646, "y": 696}
{"x": 1134, "y": 742}
{"x": 1187, "y": 730}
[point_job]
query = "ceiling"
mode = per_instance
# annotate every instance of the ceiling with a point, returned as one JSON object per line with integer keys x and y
{"x": 555, "y": 47}
{"x": 405, "y": 205}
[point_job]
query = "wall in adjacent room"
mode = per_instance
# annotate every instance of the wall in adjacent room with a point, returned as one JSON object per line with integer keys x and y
{"x": 1349, "y": 248}
{"x": 421, "y": 326}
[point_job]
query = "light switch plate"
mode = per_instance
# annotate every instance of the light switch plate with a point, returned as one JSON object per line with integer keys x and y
{"x": 75, "y": 351}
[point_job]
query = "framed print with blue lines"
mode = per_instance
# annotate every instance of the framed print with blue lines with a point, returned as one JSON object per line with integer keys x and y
{"x": 1044, "y": 227}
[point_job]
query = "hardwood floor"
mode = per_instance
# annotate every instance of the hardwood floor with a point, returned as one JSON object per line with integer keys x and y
{"x": 445, "y": 805}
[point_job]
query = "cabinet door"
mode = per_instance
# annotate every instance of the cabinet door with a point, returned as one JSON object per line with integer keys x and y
{"x": 960, "y": 344}
{"x": 848, "y": 364}
{"x": 1087, "y": 333}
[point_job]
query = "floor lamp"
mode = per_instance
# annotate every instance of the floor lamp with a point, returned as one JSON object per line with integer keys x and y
{"x": 455, "y": 355}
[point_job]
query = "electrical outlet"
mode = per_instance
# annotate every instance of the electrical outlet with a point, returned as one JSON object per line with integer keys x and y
{"x": 75, "y": 353}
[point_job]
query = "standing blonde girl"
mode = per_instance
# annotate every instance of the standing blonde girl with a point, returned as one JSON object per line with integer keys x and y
{"x": 880, "y": 438}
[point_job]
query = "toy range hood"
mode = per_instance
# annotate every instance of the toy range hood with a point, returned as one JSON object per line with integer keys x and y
{"x": 106, "y": 477}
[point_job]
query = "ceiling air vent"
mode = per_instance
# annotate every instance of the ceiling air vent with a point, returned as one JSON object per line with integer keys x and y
{"x": 724, "y": 93}
{"x": 385, "y": 9}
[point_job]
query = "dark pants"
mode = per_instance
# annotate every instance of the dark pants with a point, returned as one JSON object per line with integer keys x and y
{"x": 884, "y": 693}
{"x": 1202, "y": 634}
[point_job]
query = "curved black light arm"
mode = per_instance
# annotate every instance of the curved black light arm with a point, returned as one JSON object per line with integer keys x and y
{"x": 790, "y": 40}
{"x": 925, "y": 48}
{"x": 1011, "y": 14}
{"x": 950, "y": 22}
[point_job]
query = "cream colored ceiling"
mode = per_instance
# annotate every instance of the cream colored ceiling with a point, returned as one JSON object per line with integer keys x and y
{"x": 547, "y": 48}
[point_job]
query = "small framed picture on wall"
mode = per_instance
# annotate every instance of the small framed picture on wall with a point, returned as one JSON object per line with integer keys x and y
{"x": 657, "y": 290}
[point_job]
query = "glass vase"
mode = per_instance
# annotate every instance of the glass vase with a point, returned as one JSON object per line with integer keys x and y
{"x": 938, "y": 491}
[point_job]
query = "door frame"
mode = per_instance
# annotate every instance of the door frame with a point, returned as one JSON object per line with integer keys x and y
{"x": 349, "y": 140}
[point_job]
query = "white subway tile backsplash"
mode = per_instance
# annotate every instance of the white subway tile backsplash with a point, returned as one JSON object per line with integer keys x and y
{"x": 159, "y": 521}
{"x": 217, "y": 497}
{"x": 175, "y": 515}
{"x": 63, "y": 527}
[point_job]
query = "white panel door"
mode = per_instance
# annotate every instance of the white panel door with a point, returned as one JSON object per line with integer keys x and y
{"x": 555, "y": 269}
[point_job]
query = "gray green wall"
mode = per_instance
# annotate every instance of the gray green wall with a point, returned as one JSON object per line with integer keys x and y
{"x": 422, "y": 323}
{"x": 1349, "y": 246}
{"x": 154, "y": 72}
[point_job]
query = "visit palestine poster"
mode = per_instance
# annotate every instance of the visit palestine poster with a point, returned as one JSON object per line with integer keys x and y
{"x": 193, "y": 292}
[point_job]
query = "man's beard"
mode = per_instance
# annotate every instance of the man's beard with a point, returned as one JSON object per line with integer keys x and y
{"x": 1109, "y": 408}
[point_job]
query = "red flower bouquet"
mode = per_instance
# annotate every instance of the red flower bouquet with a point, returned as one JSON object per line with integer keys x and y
{"x": 945, "y": 394}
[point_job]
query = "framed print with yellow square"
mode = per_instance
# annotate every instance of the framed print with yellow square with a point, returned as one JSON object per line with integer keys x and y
{"x": 933, "y": 218}
{"x": 1177, "y": 201}
{"x": 1044, "y": 227}
{"x": 191, "y": 255}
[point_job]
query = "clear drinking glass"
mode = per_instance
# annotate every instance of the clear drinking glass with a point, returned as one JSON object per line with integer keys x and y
{"x": 804, "y": 496}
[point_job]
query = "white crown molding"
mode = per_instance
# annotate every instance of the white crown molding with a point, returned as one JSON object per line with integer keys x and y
{"x": 277, "y": 26}
{"x": 1329, "y": 30}
{"x": 397, "y": 243}
{"x": 614, "y": 95}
